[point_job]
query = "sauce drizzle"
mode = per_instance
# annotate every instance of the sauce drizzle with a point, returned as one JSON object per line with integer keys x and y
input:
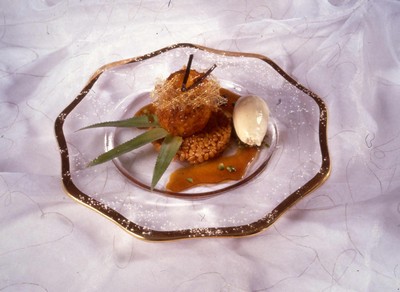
{"x": 214, "y": 171}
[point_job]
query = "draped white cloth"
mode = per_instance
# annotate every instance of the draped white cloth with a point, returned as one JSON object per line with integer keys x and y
{"x": 342, "y": 237}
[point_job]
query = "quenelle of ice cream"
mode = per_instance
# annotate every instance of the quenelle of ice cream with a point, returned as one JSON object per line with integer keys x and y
{"x": 250, "y": 119}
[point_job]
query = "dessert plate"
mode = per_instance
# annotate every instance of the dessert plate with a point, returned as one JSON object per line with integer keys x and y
{"x": 295, "y": 162}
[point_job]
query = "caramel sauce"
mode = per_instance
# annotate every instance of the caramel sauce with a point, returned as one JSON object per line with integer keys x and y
{"x": 146, "y": 110}
{"x": 214, "y": 171}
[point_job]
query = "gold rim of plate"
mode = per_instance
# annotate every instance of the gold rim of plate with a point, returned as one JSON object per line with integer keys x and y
{"x": 232, "y": 231}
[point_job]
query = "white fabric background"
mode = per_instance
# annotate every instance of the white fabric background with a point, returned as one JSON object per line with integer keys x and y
{"x": 343, "y": 237}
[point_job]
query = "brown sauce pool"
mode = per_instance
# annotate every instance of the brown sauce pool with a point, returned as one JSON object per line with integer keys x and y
{"x": 218, "y": 170}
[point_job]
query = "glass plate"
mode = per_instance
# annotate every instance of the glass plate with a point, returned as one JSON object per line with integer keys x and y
{"x": 295, "y": 163}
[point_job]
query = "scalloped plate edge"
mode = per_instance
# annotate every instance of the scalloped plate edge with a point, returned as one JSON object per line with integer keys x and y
{"x": 231, "y": 231}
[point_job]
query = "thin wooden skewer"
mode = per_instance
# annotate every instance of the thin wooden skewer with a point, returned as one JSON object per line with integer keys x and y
{"x": 201, "y": 78}
{"x": 187, "y": 72}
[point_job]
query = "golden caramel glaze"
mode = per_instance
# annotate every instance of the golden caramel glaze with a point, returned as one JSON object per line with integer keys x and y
{"x": 185, "y": 112}
{"x": 184, "y": 121}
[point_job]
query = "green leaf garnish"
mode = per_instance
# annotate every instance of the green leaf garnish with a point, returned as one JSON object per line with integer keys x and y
{"x": 138, "y": 141}
{"x": 169, "y": 148}
{"x": 138, "y": 121}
